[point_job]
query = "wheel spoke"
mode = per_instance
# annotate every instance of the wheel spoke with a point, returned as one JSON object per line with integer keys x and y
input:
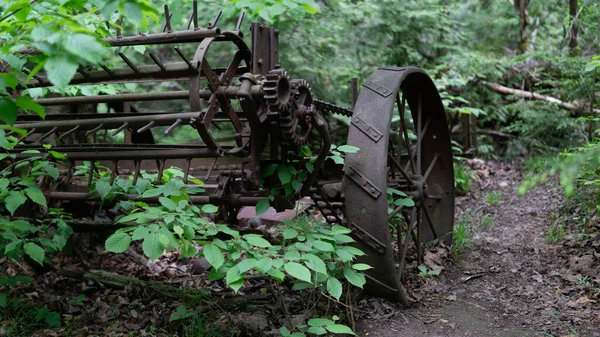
{"x": 431, "y": 166}
{"x": 404, "y": 247}
{"x": 429, "y": 222}
{"x": 419, "y": 235}
{"x": 419, "y": 132}
{"x": 412, "y": 153}
{"x": 400, "y": 169}
{"x": 401, "y": 104}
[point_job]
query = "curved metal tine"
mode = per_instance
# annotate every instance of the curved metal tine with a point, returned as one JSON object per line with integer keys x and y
{"x": 189, "y": 23}
{"x": 114, "y": 173}
{"x": 107, "y": 69}
{"x": 213, "y": 24}
{"x": 137, "y": 173}
{"x": 161, "y": 169}
{"x": 185, "y": 59}
{"x": 46, "y": 135}
{"x": 195, "y": 14}
{"x": 94, "y": 130}
{"x": 238, "y": 25}
{"x": 168, "y": 16}
{"x": 121, "y": 128}
{"x": 419, "y": 131}
{"x": 428, "y": 218}
{"x": 146, "y": 127}
{"x": 27, "y": 135}
{"x": 401, "y": 104}
{"x": 394, "y": 212}
{"x": 391, "y": 153}
{"x": 188, "y": 165}
{"x": 431, "y": 166}
{"x": 129, "y": 63}
{"x": 69, "y": 132}
{"x": 409, "y": 228}
{"x": 173, "y": 126}
{"x": 158, "y": 62}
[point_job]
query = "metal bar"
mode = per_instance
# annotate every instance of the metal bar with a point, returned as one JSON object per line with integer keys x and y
{"x": 105, "y": 68}
{"x": 91, "y": 173}
{"x": 129, "y": 63}
{"x": 195, "y": 14}
{"x": 47, "y": 134}
{"x": 184, "y": 36}
{"x": 136, "y": 174}
{"x": 397, "y": 164}
{"x": 140, "y": 154}
{"x": 69, "y": 132}
{"x": 114, "y": 172}
{"x": 431, "y": 166}
{"x": 92, "y": 131}
{"x": 185, "y": 59}
{"x": 235, "y": 199}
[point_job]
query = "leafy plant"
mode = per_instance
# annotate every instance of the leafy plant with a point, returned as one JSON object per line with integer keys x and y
{"x": 461, "y": 237}
{"x": 425, "y": 272}
{"x": 462, "y": 179}
{"x": 556, "y": 230}
{"x": 493, "y": 198}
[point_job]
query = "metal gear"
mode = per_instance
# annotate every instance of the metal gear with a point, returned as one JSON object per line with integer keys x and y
{"x": 278, "y": 92}
{"x": 296, "y": 123}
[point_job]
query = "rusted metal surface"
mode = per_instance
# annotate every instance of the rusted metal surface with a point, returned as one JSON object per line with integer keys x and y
{"x": 246, "y": 116}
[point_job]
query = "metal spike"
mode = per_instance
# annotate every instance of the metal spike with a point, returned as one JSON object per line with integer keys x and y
{"x": 108, "y": 70}
{"x": 211, "y": 168}
{"x": 83, "y": 72}
{"x": 195, "y": 14}
{"x": 188, "y": 165}
{"x": 70, "y": 171}
{"x": 94, "y": 130}
{"x": 240, "y": 20}
{"x": 158, "y": 61}
{"x": 114, "y": 172}
{"x": 214, "y": 23}
{"x": 69, "y": 132}
{"x": 121, "y": 128}
{"x": 47, "y": 134}
{"x": 119, "y": 22}
{"x": 161, "y": 168}
{"x": 189, "y": 24}
{"x": 91, "y": 173}
{"x": 173, "y": 126}
{"x": 26, "y": 135}
{"x": 168, "y": 16}
{"x": 183, "y": 57}
{"x": 129, "y": 63}
{"x": 136, "y": 174}
{"x": 145, "y": 127}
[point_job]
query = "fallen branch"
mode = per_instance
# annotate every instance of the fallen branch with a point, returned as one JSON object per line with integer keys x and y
{"x": 531, "y": 95}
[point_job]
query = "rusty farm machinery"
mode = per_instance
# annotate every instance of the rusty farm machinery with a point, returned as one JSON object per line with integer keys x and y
{"x": 262, "y": 117}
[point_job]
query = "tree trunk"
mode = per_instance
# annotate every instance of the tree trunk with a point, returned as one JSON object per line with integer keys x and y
{"x": 573, "y": 28}
{"x": 521, "y": 9}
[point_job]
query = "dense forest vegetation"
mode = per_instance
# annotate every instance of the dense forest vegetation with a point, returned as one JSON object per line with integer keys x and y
{"x": 524, "y": 72}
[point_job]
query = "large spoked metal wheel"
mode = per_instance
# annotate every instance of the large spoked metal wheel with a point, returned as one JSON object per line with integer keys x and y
{"x": 398, "y": 151}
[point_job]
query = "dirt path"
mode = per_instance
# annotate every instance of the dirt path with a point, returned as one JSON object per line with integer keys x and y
{"x": 509, "y": 282}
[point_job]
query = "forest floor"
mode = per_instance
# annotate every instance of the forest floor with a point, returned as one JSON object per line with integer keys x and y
{"x": 511, "y": 279}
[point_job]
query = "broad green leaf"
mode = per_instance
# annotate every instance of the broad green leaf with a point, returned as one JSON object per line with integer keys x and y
{"x": 320, "y": 322}
{"x": 168, "y": 203}
{"x": 317, "y": 330}
{"x": 285, "y": 332}
{"x": 339, "y": 230}
{"x": 103, "y": 188}
{"x": 263, "y": 265}
{"x": 35, "y": 252}
{"x": 8, "y": 110}
{"x": 152, "y": 246}
{"x": 276, "y": 274}
{"x": 298, "y": 271}
{"x": 262, "y": 206}
{"x": 188, "y": 250}
{"x": 353, "y": 250}
{"x": 233, "y": 275}
{"x": 284, "y": 174}
{"x": 289, "y": 233}
{"x": 343, "y": 238}
{"x": 257, "y": 240}
{"x": 404, "y": 202}
{"x": 316, "y": 263}
{"x": 361, "y": 266}
{"x": 26, "y": 103}
{"x": 208, "y": 208}
{"x": 3, "y": 298}
{"x": 269, "y": 170}
{"x": 323, "y": 246}
{"x": 344, "y": 255}
{"x": 354, "y": 278}
{"x": 133, "y": 13}
{"x": 140, "y": 233}
{"x": 339, "y": 329}
{"x": 13, "y": 245}
{"x": 118, "y": 242}
{"x": 14, "y": 200}
{"x": 86, "y": 47}
{"x": 348, "y": 149}
{"x": 246, "y": 265}
{"x": 4, "y": 184}
{"x": 60, "y": 70}
{"x": 36, "y": 195}
{"x": 213, "y": 255}
{"x": 334, "y": 288}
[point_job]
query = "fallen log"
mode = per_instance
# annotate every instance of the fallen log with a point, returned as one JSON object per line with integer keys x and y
{"x": 531, "y": 95}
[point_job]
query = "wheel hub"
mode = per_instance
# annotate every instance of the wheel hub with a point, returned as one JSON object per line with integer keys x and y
{"x": 418, "y": 188}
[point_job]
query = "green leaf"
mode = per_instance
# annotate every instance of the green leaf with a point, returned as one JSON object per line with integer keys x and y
{"x": 298, "y": 271}
{"x": 246, "y": 265}
{"x": 213, "y": 255}
{"x": 14, "y": 200}
{"x": 262, "y": 206}
{"x": 103, "y": 188}
{"x": 344, "y": 255}
{"x": 60, "y": 70}
{"x": 2, "y": 300}
{"x": 188, "y": 250}
{"x": 118, "y": 242}
{"x": 361, "y": 266}
{"x": 404, "y": 202}
{"x": 36, "y": 195}
{"x": 8, "y": 110}
{"x": 285, "y": 332}
{"x": 208, "y": 208}
{"x": 133, "y": 13}
{"x": 348, "y": 149}
{"x": 289, "y": 233}
{"x": 152, "y": 246}
{"x": 233, "y": 275}
{"x": 263, "y": 265}
{"x": 26, "y": 103}
{"x": 276, "y": 274}
{"x": 323, "y": 246}
{"x": 353, "y": 250}
{"x": 316, "y": 263}
{"x": 269, "y": 170}
{"x": 86, "y": 47}
{"x": 339, "y": 329}
{"x": 339, "y": 230}
{"x": 4, "y": 184}
{"x": 342, "y": 238}
{"x": 320, "y": 322}
{"x": 354, "y": 278}
{"x": 317, "y": 330}
{"x": 35, "y": 252}
{"x": 139, "y": 233}
{"x": 284, "y": 174}
{"x": 257, "y": 240}
{"x": 168, "y": 203}
{"x": 334, "y": 288}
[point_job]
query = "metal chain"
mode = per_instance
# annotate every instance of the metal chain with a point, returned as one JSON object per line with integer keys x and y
{"x": 331, "y": 108}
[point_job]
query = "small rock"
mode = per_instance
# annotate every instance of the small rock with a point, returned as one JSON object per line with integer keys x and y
{"x": 200, "y": 266}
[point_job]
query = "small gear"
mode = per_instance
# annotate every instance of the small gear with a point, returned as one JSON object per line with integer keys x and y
{"x": 296, "y": 123}
{"x": 277, "y": 88}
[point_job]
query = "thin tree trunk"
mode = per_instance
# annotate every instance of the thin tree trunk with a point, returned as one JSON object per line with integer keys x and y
{"x": 573, "y": 28}
{"x": 521, "y": 9}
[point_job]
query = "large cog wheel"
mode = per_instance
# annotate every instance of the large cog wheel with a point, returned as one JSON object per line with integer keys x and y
{"x": 278, "y": 91}
{"x": 296, "y": 123}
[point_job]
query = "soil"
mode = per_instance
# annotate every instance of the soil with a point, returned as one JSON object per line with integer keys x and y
{"x": 510, "y": 281}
